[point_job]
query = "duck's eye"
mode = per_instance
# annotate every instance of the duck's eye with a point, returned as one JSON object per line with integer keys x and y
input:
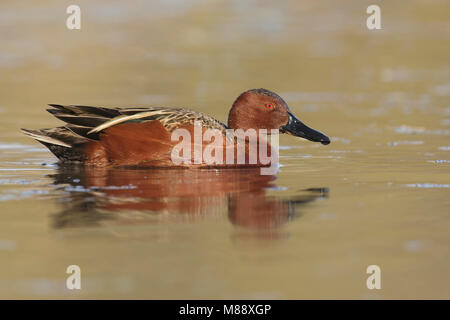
{"x": 269, "y": 106}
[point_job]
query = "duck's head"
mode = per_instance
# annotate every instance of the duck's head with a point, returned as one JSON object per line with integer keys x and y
{"x": 264, "y": 109}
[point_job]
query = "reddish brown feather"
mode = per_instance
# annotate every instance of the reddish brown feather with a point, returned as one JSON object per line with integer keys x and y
{"x": 144, "y": 144}
{"x": 131, "y": 144}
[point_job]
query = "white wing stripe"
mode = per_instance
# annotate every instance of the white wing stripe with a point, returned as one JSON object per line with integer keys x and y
{"x": 121, "y": 119}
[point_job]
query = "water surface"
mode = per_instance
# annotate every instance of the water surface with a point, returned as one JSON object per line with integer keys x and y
{"x": 378, "y": 194}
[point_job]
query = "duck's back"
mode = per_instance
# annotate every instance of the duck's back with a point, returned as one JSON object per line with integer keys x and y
{"x": 90, "y": 132}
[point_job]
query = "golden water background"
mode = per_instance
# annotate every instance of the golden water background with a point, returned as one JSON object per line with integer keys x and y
{"x": 378, "y": 194}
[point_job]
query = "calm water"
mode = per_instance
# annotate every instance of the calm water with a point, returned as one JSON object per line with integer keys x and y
{"x": 378, "y": 194}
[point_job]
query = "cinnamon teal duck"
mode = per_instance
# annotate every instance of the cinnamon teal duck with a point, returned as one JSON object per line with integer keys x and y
{"x": 100, "y": 136}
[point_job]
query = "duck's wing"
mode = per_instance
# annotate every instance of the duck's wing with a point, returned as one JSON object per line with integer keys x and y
{"x": 170, "y": 118}
{"x": 88, "y": 122}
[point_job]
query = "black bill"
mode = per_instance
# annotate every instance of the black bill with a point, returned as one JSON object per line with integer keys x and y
{"x": 299, "y": 129}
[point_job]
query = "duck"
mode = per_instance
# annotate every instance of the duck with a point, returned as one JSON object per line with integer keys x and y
{"x": 143, "y": 136}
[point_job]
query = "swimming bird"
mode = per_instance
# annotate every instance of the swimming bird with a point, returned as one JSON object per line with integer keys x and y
{"x": 100, "y": 136}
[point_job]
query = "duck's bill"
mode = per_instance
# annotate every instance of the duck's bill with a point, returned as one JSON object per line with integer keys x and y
{"x": 299, "y": 129}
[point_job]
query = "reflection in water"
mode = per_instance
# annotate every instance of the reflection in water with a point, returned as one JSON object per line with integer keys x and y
{"x": 92, "y": 195}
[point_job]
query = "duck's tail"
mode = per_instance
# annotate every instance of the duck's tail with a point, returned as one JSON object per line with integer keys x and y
{"x": 62, "y": 142}
{"x": 65, "y": 142}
